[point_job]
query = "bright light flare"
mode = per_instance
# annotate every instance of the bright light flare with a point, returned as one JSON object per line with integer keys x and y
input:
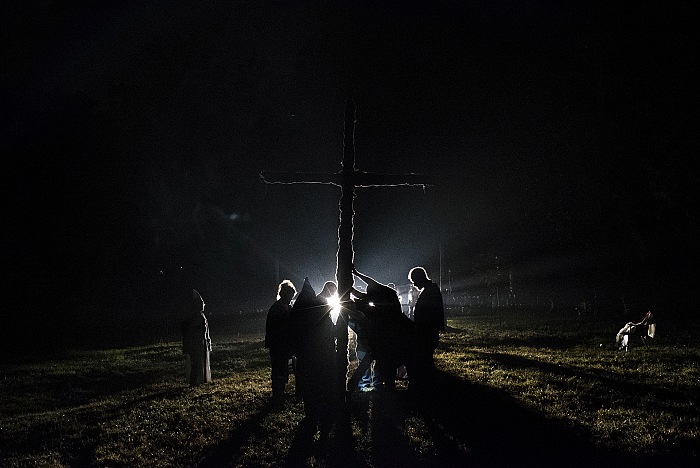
{"x": 334, "y": 302}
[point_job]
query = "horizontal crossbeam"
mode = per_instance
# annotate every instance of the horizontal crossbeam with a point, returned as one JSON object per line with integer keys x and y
{"x": 359, "y": 179}
{"x": 370, "y": 179}
{"x": 300, "y": 178}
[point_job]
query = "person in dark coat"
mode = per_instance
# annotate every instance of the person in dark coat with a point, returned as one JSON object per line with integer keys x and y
{"x": 315, "y": 350}
{"x": 390, "y": 336}
{"x": 429, "y": 320}
{"x": 277, "y": 338}
{"x": 196, "y": 344}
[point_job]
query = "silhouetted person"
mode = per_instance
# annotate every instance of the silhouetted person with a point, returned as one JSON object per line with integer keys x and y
{"x": 196, "y": 344}
{"x": 278, "y": 338}
{"x": 315, "y": 350}
{"x": 329, "y": 290}
{"x": 429, "y": 319}
{"x": 391, "y": 332}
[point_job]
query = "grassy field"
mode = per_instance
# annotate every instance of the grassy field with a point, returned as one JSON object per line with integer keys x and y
{"x": 512, "y": 390}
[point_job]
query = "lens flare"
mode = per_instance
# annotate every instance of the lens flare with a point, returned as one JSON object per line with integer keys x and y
{"x": 334, "y": 302}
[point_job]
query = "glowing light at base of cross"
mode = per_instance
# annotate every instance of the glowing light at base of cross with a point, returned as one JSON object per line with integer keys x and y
{"x": 334, "y": 302}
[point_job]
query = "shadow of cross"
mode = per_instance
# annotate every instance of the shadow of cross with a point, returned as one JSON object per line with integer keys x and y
{"x": 348, "y": 179}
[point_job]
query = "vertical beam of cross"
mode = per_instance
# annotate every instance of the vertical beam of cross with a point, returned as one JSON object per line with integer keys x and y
{"x": 348, "y": 179}
{"x": 346, "y": 252}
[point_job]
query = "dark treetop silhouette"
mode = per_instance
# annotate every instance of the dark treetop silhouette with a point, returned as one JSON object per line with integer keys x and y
{"x": 348, "y": 179}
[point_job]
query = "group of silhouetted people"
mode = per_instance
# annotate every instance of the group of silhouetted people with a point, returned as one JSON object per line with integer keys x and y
{"x": 303, "y": 338}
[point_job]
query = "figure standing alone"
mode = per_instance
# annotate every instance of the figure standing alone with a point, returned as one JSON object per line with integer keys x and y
{"x": 196, "y": 344}
{"x": 277, "y": 338}
{"x": 429, "y": 319}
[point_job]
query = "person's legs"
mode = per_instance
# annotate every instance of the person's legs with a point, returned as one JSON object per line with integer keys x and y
{"x": 197, "y": 372}
{"x": 385, "y": 371}
{"x": 280, "y": 372}
{"x": 422, "y": 369}
{"x": 365, "y": 383}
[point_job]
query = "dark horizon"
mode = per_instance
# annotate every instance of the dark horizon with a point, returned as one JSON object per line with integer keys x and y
{"x": 560, "y": 139}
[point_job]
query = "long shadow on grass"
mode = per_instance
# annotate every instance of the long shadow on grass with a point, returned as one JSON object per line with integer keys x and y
{"x": 78, "y": 449}
{"x": 306, "y": 449}
{"x": 337, "y": 449}
{"x": 637, "y": 397}
{"x": 672, "y": 400}
{"x": 496, "y": 431}
{"x": 398, "y": 435}
{"x": 225, "y": 453}
{"x": 456, "y": 424}
{"x": 475, "y": 425}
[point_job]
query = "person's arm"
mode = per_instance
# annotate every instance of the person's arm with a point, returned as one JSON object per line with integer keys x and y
{"x": 363, "y": 277}
{"x": 358, "y": 294}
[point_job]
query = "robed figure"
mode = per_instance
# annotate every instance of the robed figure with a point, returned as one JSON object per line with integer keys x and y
{"x": 196, "y": 343}
{"x": 314, "y": 345}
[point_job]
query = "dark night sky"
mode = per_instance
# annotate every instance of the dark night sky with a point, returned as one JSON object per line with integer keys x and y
{"x": 559, "y": 136}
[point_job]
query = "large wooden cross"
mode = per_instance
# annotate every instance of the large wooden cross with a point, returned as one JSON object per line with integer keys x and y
{"x": 348, "y": 179}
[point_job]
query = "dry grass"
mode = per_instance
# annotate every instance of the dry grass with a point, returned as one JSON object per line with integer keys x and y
{"x": 536, "y": 391}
